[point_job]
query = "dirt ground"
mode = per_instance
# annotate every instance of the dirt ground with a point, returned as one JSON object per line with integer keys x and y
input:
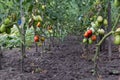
{"x": 63, "y": 62}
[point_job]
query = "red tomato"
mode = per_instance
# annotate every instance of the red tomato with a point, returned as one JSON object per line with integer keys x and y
{"x": 94, "y": 38}
{"x": 89, "y": 32}
{"x": 86, "y": 34}
{"x": 36, "y": 38}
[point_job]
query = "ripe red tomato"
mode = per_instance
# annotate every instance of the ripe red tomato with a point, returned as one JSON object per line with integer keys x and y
{"x": 86, "y": 34}
{"x": 89, "y": 32}
{"x": 36, "y": 38}
{"x": 94, "y": 38}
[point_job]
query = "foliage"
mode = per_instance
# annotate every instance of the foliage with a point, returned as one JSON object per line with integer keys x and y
{"x": 65, "y": 16}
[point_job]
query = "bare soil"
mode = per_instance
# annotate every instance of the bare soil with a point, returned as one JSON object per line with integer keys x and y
{"x": 64, "y": 61}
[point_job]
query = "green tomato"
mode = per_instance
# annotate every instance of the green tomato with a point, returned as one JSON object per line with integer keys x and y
{"x": 43, "y": 7}
{"x": 7, "y": 21}
{"x": 117, "y": 40}
{"x": 90, "y": 41}
{"x": 116, "y": 3}
{"x": 101, "y": 31}
{"x": 99, "y": 19}
{"x": 84, "y": 40}
{"x": 2, "y": 28}
{"x": 105, "y": 22}
{"x": 97, "y": 24}
{"x": 117, "y": 32}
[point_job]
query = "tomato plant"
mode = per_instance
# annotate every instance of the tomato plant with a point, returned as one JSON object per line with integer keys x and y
{"x": 101, "y": 23}
{"x": 23, "y": 22}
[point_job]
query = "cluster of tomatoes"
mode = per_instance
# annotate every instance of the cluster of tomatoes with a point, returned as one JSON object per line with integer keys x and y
{"x": 6, "y": 26}
{"x": 37, "y": 38}
{"x": 92, "y": 32}
{"x": 89, "y": 37}
{"x": 117, "y": 32}
{"x": 36, "y": 22}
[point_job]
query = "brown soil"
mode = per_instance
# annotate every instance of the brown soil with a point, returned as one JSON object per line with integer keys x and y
{"x": 63, "y": 62}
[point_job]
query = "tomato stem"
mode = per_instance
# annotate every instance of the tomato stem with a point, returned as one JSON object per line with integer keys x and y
{"x": 101, "y": 41}
{"x": 105, "y": 36}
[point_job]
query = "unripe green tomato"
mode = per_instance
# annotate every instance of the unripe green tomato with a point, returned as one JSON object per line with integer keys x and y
{"x": 105, "y": 22}
{"x": 101, "y": 31}
{"x": 84, "y": 40}
{"x": 97, "y": 24}
{"x": 117, "y": 39}
{"x": 7, "y": 21}
{"x": 116, "y": 3}
{"x": 99, "y": 19}
{"x": 90, "y": 41}
{"x": 43, "y": 7}
{"x": 117, "y": 32}
{"x": 2, "y": 28}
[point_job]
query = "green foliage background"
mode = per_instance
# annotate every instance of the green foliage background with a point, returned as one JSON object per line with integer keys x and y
{"x": 66, "y": 16}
